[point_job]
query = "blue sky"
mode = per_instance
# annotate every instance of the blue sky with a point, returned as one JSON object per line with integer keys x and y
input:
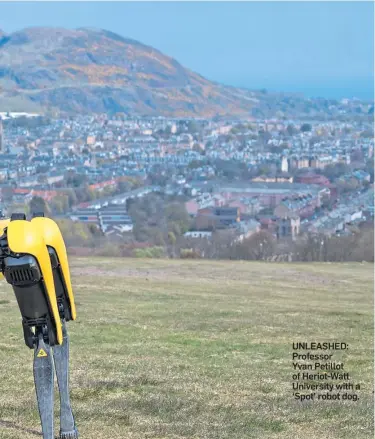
{"x": 318, "y": 48}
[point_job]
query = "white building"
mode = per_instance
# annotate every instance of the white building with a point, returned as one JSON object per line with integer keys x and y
{"x": 284, "y": 165}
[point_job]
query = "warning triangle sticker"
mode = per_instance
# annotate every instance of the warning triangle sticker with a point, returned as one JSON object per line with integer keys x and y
{"x": 42, "y": 353}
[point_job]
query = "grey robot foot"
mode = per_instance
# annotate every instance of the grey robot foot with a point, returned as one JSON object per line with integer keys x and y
{"x": 69, "y": 435}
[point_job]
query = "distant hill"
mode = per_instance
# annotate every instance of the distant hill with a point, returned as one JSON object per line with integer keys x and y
{"x": 93, "y": 70}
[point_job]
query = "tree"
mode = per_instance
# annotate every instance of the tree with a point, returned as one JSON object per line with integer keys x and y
{"x": 194, "y": 164}
{"x": 42, "y": 179}
{"x": 348, "y": 185}
{"x": 192, "y": 127}
{"x": 369, "y": 167}
{"x": 17, "y": 208}
{"x": 94, "y": 230}
{"x": 75, "y": 180}
{"x": 275, "y": 149}
{"x": 7, "y": 194}
{"x": 60, "y": 204}
{"x": 259, "y": 246}
{"x": 356, "y": 155}
{"x": 264, "y": 136}
{"x": 310, "y": 248}
{"x": 367, "y": 134}
{"x": 171, "y": 238}
{"x": 123, "y": 186}
{"x": 306, "y": 127}
{"x": 231, "y": 169}
{"x": 38, "y": 204}
{"x": 291, "y": 129}
{"x": 72, "y": 197}
{"x": 84, "y": 194}
{"x": 264, "y": 169}
{"x": 357, "y": 246}
{"x": 157, "y": 178}
{"x": 334, "y": 171}
{"x": 155, "y": 217}
{"x": 75, "y": 233}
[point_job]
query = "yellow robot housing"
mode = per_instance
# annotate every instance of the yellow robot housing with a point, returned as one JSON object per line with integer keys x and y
{"x": 3, "y": 224}
{"x": 27, "y": 267}
{"x": 60, "y": 267}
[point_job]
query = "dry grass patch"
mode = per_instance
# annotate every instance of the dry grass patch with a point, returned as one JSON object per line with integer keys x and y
{"x": 199, "y": 349}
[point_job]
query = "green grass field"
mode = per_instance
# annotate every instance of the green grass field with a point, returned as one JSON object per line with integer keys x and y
{"x": 198, "y": 349}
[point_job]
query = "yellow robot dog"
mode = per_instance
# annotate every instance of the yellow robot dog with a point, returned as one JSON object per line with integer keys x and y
{"x": 33, "y": 260}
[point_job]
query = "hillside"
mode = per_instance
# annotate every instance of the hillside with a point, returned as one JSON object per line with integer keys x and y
{"x": 99, "y": 71}
{"x": 93, "y": 70}
{"x": 188, "y": 349}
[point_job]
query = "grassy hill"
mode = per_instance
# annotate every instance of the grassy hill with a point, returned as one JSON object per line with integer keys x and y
{"x": 94, "y": 70}
{"x": 186, "y": 349}
{"x": 90, "y": 70}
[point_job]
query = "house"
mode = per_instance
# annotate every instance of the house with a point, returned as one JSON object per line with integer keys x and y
{"x": 302, "y": 205}
{"x": 54, "y": 177}
{"x": 219, "y": 201}
{"x": 362, "y": 176}
{"x": 299, "y": 162}
{"x": 192, "y": 207}
{"x": 277, "y": 178}
{"x": 269, "y": 194}
{"x": 3, "y": 174}
{"x": 203, "y": 200}
{"x": 116, "y": 232}
{"x": 288, "y": 226}
{"x": 90, "y": 140}
{"x": 353, "y": 215}
{"x": 320, "y": 162}
{"x": 85, "y": 215}
{"x": 102, "y": 185}
{"x": 268, "y": 223}
{"x": 22, "y": 195}
{"x": 248, "y": 206}
{"x": 198, "y": 234}
{"x": 244, "y": 229}
{"x": 111, "y": 219}
{"x": 114, "y": 218}
{"x": 212, "y": 218}
{"x": 312, "y": 178}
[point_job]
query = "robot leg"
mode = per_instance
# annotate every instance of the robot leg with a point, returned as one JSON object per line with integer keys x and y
{"x": 65, "y": 300}
{"x": 44, "y": 385}
{"x": 68, "y": 429}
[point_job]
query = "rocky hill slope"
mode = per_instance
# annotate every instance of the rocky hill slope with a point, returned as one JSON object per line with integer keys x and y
{"x": 93, "y": 70}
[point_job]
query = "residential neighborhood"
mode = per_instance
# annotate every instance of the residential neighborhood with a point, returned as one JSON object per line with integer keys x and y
{"x": 286, "y": 177}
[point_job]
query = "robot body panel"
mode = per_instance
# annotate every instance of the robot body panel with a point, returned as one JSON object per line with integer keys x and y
{"x": 24, "y": 275}
{"x": 63, "y": 302}
{"x": 24, "y": 239}
{"x": 3, "y": 224}
{"x": 54, "y": 240}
